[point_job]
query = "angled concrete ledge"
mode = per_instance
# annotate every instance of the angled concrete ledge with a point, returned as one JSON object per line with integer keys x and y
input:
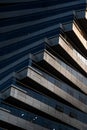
{"x": 12, "y": 121}
{"x": 77, "y": 35}
{"x": 45, "y": 81}
{"x": 25, "y": 99}
{"x": 59, "y": 68}
{"x": 63, "y": 47}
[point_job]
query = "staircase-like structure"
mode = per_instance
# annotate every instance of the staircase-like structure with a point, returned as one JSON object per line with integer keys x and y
{"x": 43, "y": 65}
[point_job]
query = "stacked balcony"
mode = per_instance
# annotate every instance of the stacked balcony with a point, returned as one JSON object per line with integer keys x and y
{"x": 20, "y": 97}
{"x": 77, "y": 35}
{"x": 60, "y": 45}
{"x": 48, "y": 89}
{"x": 12, "y": 118}
{"x": 59, "y": 68}
{"x": 45, "y": 82}
{"x": 10, "y": 121}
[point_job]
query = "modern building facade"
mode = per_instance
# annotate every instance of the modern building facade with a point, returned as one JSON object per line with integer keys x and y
{"x": 43, "y": 65}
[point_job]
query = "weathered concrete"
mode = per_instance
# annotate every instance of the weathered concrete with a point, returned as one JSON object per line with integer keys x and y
{"x": 72, "y": 26}
{"x": 51, "y": 84}
{"x": 21, "y": 96}
{"x": 13, "y": 120}
{"x": 62, "y": 46}
{"x": 65, "y": 71}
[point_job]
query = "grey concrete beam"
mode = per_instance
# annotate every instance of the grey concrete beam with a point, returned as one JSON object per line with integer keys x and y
{"x": 77, "y": 32}
{"x": 76, "y": 56}
{"x": 60, "y": 44}
{"x": 57, "y": 65}
{"x": 21, "y": 96}
{"x": 13, "y": 120}
{"x": 51, "y": 84}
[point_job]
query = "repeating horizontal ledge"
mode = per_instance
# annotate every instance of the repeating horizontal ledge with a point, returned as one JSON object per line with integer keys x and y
{"x": 50, "y": 62}
{"x": 20, "y": 96}
{"x": 63, "y": 47}
{"x": 44, "y": 81}
{"x": 16, "y": 122}
{"x": 77, "y": 35}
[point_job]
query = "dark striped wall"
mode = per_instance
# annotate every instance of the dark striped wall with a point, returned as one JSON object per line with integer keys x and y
{"x": 25, "y": 24}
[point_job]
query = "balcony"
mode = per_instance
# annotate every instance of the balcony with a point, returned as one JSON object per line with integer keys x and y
{"x": 48, "y": 85}
{"x": 61, "y": 70}
{"x": 10, "y": 121}
{"x": 77, "y": 35}
{"x": 63, "y": 47}
{"x": 20, "y": 98}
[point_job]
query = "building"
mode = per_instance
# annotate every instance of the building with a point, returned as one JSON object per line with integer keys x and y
{"x": 43, "y": 65}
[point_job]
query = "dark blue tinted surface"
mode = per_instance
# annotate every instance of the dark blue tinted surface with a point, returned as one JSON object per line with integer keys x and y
{"x": 30, "y": 5}
{"x": 39, "y": 15}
